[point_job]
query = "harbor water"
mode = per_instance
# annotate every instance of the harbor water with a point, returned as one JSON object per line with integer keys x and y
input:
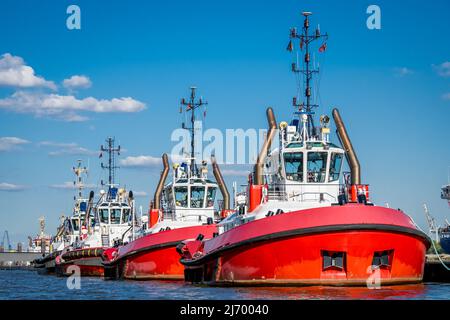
{"x": 28, "y": 284}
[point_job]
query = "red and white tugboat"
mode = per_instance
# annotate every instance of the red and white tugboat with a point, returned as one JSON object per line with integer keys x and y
{"x": 111, "y": 223}
{"x": 182, "y": 209}
{"x": 300, "y": 226}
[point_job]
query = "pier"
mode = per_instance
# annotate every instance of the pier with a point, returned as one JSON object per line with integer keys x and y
{"x": 434, "y": 270}
{"x": 14, "y": 260}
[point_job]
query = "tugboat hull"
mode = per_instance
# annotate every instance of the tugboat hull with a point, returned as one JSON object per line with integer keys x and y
{"x": 46, "y": 265}
{"x": 154, "y": 256}
{"x": 359, "y": 246}
{"x": 88, "y": 261}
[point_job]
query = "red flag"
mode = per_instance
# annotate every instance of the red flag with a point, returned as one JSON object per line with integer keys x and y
{"x": 188, "y": 106}
{"x": 323, "y": 47}
{"x": 301, "y": 44}
{"x": 289, "y": 47}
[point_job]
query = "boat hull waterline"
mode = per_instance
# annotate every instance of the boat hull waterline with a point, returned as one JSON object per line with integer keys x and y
{"x": 290, "y": 249}
{"x": 153, "y": 256}
{"x": 89, "y": 262}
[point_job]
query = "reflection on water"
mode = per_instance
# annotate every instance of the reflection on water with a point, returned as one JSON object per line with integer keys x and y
{"x": 418, "y": 291}
{"x": 30, "y": 285}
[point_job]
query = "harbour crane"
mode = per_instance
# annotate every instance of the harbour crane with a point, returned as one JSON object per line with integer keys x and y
{"x": 2, "y": 245}
{"x": 432, "y": 228}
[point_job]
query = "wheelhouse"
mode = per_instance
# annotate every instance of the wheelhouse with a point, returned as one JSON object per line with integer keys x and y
{"x": 312, "y": 163}
{"x": 113, "y": 213}
{"x": 188, "y": 199}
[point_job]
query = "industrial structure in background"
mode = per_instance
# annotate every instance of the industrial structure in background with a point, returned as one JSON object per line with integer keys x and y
{"x": 2, "y": 245}
{"x": 14, "y": 258}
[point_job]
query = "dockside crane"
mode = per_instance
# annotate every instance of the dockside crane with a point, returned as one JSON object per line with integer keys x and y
{"x": 432, "y": 228}
{"x": 2, "y": 245}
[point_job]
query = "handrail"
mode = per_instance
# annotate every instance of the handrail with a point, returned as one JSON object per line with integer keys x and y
{"x": 280, "y": 193}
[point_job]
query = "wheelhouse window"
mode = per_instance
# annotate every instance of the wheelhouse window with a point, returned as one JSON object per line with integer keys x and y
{"x": 126, "y": 215}
{"x": 168, "y": 195}
{"x": 293, "y": 163}
{"x": 104, "y": 215}
{"x": 335, "y": 166}
{"x": 76, "y": 224}
{"x": 210, "y": 196}
{"x": 317, "y": 165}
{"x": 115, "y": 215}
{"x": 197, "y": 196}
{"x": 181, "y": 196}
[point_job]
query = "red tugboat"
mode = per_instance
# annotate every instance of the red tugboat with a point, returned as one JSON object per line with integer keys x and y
{"x": 182, "y": 209}
{"x": 300, "y": 226}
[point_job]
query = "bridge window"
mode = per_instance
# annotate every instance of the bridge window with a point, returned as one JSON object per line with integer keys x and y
{"x": 317, "y": 164}
{"x": 211, "y": 196}
{"x": 104, "y": 215}
{"x": 335, "y": 166}
{"x": 115, "y": 216}
{"x": 126, "y": 215}
{"x": 76, "y": 224}
{"x": 181, "y": 196}
{"x": 197, "y": 196}
{"x": 293, "y": 163}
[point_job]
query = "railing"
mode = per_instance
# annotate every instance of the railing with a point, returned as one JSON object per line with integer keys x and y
{"x": 174, "y": 214}
{"x": 303, "y": 192}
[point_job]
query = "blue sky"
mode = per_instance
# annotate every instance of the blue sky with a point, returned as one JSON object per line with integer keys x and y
{"x": 392, "y": 87}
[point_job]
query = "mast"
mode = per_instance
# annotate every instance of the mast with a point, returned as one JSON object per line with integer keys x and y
{"x": 79, "y": 170}
{"x": 305, "y": 39}
{"x": 191, "y": 105}
{"x": 111, "y": 166}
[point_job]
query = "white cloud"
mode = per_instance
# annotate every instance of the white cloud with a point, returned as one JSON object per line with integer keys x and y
{"x": 147, "y": 161}
{"x": 403, "y": 71}
{"x": 57, "y": 144}
{"x": 140, "y": 162}
{"x": 4, "y": 186}
{"x": 72, "y": 149}
{"x": 11, "y": 143}
{"x": 14, "y": 73}
{"x": 140, "y": 193}
{"x": 446, "y": 96}
{"x": 442, "y": 69}
{"x": 235, "y": 173}
{"x": 77, "y": 81}
{"x": 66, "y": 108}
{"x": 68, "y": 185}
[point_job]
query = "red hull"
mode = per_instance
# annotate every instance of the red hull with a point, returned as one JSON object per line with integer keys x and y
{"x": 290, "y": 249}
{"x": 89, "y": 267}
{"x": 154, "y": 256}
{"x": 88, "y": 260}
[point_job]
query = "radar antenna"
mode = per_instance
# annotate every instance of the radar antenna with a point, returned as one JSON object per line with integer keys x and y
{"x": 191, "y": 105}
{"x": 111, "y": 166}
{"x": 305, "y": 39}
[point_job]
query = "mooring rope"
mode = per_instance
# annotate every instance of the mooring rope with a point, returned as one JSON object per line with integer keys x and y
{"x": 439, "y": 257}
{"x": 434, "y": 246}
